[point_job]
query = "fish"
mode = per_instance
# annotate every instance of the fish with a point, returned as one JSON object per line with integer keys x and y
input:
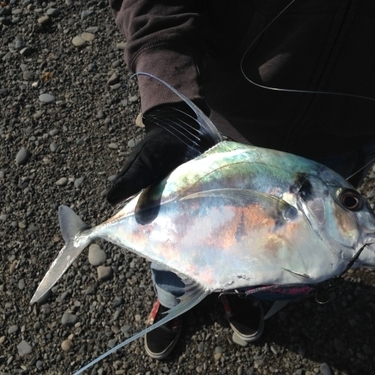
{"x": 235, "y": 218}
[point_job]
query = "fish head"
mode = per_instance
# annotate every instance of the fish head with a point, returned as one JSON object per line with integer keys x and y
{"x": 340, "y": 216}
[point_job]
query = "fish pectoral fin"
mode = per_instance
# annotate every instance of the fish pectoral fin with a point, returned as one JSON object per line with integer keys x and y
{"x": 276, "y": 307}
{"x": 298, "y": 275}
{"x": 194, "y": 293}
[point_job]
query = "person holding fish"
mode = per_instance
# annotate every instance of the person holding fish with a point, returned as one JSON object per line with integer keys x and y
{"x": 290, "y": 75}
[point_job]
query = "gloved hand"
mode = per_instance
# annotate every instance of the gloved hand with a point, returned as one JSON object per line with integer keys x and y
{"x": 172, "y": 137}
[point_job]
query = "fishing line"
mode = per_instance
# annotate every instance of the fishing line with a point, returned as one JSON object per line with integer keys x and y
{"x": 280, "y": 89}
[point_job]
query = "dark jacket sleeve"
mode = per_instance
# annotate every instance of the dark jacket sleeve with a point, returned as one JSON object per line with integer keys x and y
{"x": 163, "y": 38}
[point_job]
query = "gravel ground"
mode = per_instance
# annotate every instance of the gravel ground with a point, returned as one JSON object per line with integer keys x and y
{"x": 67, "y": 124}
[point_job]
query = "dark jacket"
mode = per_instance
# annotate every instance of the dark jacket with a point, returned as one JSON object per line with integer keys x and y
{"x": 211, "y": 50}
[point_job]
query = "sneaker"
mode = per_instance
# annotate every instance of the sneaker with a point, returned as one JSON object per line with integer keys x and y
{"x": 245, "y": 317}
{"x": 160, "y": 342}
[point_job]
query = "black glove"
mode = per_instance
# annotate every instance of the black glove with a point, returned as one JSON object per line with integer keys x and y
{"x": 172, "y": 137}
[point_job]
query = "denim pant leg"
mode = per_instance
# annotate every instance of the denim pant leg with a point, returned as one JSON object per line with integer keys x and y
{"x": 167, "y": 284}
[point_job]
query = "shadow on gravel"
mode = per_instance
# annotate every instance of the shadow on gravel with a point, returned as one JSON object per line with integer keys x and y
{"x": 340, "y": 333}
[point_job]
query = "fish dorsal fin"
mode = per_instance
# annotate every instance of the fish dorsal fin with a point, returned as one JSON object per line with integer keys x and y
{"x": 207, "y": 128}
{"x": 194, "y": 293}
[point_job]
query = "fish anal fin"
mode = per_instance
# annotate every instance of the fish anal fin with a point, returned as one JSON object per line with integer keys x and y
{"x": 194, "y": 293}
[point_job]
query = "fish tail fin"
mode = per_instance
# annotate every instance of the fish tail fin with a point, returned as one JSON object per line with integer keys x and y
{"x": 70, "y": 223}
{"x": 76, "y": 240}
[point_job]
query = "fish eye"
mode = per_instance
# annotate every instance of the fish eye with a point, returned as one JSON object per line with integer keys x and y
{"x": 351, "y": 199}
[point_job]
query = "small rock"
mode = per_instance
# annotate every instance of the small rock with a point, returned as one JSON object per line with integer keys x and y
{"x": 139, "y": 121}
{"x": 88, "y": 37}
{"x": 53, "y": 146}
{"x": 22, "y": 156}
{"x": 121, "y": 46}
{"x": 12, "y": 329}
{"x": 86, "y": 13}
{"x": 53, "y": 132}
{"x": 24, "y": 348}
{"x": 66, "y": 345}
{"x": 69, "y": 319}
{"x": 132, "y": 143}
{"x": 325, "y": 369}
{"x": 52, "y": 12}
{"x": 97, "y": 256}
{"x": 62, "y": 181}
{"x": 78, "y": 182}
{"x": 104, "y": 272}
{"x": 78, "y": 41}
{"x": 46, "y": 98}
{"x": 21, "y": 284}
{"x": 113, "y": 79}
{"x": 26, "y": 51}
{"x": 43, "y": 20}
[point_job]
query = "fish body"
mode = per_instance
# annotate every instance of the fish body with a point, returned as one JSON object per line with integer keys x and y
{"x": 239, "y": 216}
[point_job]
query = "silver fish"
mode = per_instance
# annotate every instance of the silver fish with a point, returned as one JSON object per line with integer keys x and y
{"x": 236, "y": 217}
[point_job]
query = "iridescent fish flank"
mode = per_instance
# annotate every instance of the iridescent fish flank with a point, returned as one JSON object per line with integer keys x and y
{"x": 237, "y": 217}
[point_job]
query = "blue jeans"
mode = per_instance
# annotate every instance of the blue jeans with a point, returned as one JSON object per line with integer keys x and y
{"x": 169, "y": 286}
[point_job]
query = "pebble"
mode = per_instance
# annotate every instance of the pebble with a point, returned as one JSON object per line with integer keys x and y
{"x": 121, "y": 46}
{"x": 24, "y": 348}
{"x": 53, "y": 146}
{"x": 97, "y": 256}
{"x": 53, "y": 132}
{"x": 53, "y": 12}
{"x": 132, "y": 143}
{"x": 78, "y": 182}
{"x": 12, "y": 329}
{"x": 46, "y": 98}
{"x": 66, "y": 345}
{"x": 104, "y": 272}
{"x": 26, "y": 51}
{"x": 114, "y": 79}
{"x": 43, "y": 20}
{"x": 139, "y": 121}
{"x": 88, "y": 37}
{"x": 325, "y": 369}
{"x": 78, "y": 41}
{"x": 22, "y": 156}
{"x": 21, "y": 284}
{"x": 69, "y": 319}
{"x": 86, "y": 13}
{"x": 62, "y": 181}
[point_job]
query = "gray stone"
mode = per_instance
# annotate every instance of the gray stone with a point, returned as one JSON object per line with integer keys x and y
{"x": 97, "y": 256}
{"x": 78, "y": 182}
{"x": 69, "y": 319}
{"x": 53, "y": 12}
{"x": 325, "y": 369}
{"x": 43, "y": 20}
{"x": 46, "y": 98}
{"x": 78, "y": 41}
{"x": 22, "y": 156}
{"x": 62, "y": 181}
{"x": 88, "y": 37}
{"x": 86, "y": 13}
{"x": 24, "y": 348}
{"x": 104, "y": 273}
